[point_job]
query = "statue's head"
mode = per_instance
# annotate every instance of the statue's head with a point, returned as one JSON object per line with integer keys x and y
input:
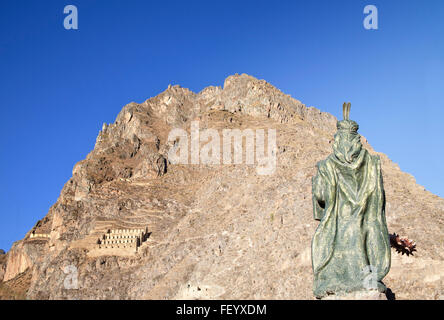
{"x": 347, "y": 144}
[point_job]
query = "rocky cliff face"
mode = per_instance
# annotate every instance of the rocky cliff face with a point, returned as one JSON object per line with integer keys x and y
{"x": 215, "y": 231}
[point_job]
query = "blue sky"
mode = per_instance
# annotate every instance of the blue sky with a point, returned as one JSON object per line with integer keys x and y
{"x": 57, "y": 86}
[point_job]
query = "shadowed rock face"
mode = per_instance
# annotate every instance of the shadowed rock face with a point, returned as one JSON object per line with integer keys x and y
{"x": 216, "y": 231}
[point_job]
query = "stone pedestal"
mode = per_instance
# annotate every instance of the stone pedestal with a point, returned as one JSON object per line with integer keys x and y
{"x": 358, "y": 295}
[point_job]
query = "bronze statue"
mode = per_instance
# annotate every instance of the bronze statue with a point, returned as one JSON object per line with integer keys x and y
{"x": 351, "y": 246}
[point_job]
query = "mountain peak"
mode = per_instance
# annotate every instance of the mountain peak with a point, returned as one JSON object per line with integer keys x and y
{"x": 223, "y": 228}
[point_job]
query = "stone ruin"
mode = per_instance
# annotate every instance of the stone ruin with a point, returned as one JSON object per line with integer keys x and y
{"x": 123, "y": 239}
{"x": 39, "y": 235}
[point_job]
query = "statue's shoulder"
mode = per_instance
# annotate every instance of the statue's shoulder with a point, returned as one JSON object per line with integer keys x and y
{"x": 325, "y": 164}
{"x": 321, "y": 163}
{"x": 375, "y": 157}
{"x": 330, "y": 160}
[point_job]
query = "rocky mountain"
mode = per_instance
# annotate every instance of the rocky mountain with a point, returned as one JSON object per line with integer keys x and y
{"x": 214, "y": 231}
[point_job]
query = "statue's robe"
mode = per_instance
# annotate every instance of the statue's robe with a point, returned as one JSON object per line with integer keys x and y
{"x": 352, "y": 239}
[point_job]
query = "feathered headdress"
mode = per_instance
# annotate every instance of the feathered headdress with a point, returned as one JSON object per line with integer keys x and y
{"x": 347, "y": 124}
